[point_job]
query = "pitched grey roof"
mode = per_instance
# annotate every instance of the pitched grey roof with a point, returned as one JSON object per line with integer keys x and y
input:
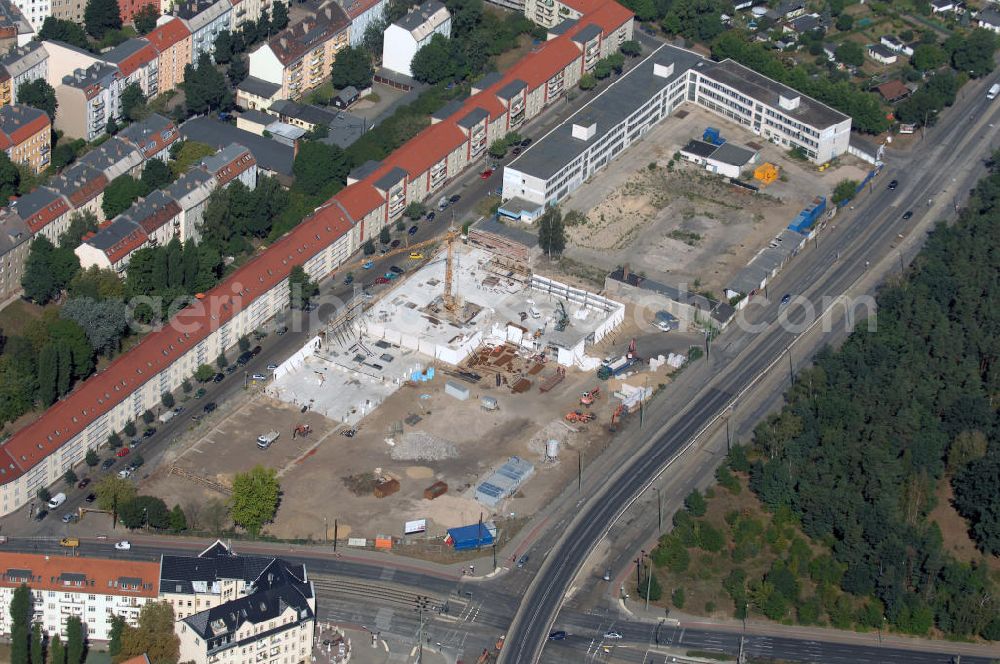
{"x": 113, "y": 233}
{"x": 587, "y": 33}
{"x": 734, "y": 155}
{"x": 270, "y": 155}
{"x": 364, "y": 170}
{"x": 113, "y": 157}
{"x": 192, "y": 181}
{"x": 563, "y": 27}
{"x": 13, "y": 231}
{"x": 486, "y": 81}
{"x": 259, "y": 87}
{"x": 23, "y": 58}
{"x": 257, "y": 117}
{"x": 512, "y": 89}
{"x": 447, "y": 110}
{"x": 420, "y": 15}
{"x": 473, "y": 117}
{"x": 699, "y": 148}
{"x": 37, "y": 199}
{"x": 125, "y": 49}
{"x": 391, "y": 178}
{"x": 217, "y": 624}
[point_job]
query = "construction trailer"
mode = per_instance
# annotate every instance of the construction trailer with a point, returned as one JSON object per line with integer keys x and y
{"x": 467, "y": 538}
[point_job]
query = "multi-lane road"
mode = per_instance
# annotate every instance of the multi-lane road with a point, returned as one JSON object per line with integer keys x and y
{"x": 941, "y": 168}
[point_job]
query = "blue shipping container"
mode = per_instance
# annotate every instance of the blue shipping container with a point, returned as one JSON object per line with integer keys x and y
{"x": 808, "y": 217}
{"x": 465, "y": 538}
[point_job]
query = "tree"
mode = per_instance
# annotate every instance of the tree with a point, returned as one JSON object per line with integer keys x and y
{"x": 118, "y": 625}
{"x": 47, "y": 270}
{"x": 695, "y": 503}
{"x": 144, "y": 511}
{"x": 177, "y": 519}
{"x": 69, "y": 477}
{"x": 205, "y": 87}
{"x": 167, "y": 399}
{"x": 148, "y": 416}
{"x": 91, "y": 458}
{"x": 48, "y": 375}
{"x": 587, "y": 82}
{"x": 104, "y": 321}
{"x": 112, "y": 127}
{"x": 384, "y": 236}
{"x": 55, "y": 29}
{"x": 369, "y": 247}
{"x": 238, "y": 70}
{"x": 631, "y": 48}
{"x": 154, "y": 636}
{"x": 57, "y": 653}
{"x": 651, "y": 585}
{"x": 186, "y": 386}
{"x": 434, "y": 62}
{"x": 374, "y": 36}
{"x": 243, "y": 343}
{"x": 255, "y": 498}
{"x": 155, "y": 175}
{"x": 43, "y": 494}
{"x": 927, "y": 57}
{"x": 977, "y": 498}
{"x": 300, "y": 288}
{"x": 145, "y": 19}
{"x": 20, "y": 615}
{"x": 129, "y": 429}
{"x": 133, "y": 103}
{"x": 38, "y": 94}
{"x": 551, "y": 235}
{"x": 81, "y": 222}
{"x": 120, "y": 194}
{"x": 352, "y": 65}
{"x": 279, "y": 16}
{"x": 845, "y": 22}
{"x": 74, "y": 640}
{"x": 317, "y": 166}
{"x": 972, "y": 52}
{"x": 844, "y": 191}
{"x": 415, "y": 210}
{"x": 967, "y": 446}
{"x": 113, "y": 492}
{"x": 677, "y": 597}
{"x": 223, "y": 52}
{"x": 100, "y": 17}
{"x": 37, "y": 649}
{"x": 10, "y": 177}
{"x": 204, "y": 373}
{"x": 850, "y": 53}
{"x": 115, "y": 441}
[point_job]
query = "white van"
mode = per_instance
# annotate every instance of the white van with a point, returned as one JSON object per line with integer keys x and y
{"x": 57, "y": 500}
{"x": 993, "y": 91}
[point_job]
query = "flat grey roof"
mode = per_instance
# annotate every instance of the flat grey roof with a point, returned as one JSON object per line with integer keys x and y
{"x": 389, "y": 179}
{"x": 491, "y": 225}
{"x": 364, "y": 170}
{"x": 699, "y": 148}
{"x": 270, "y": 155}
{"x": 766, "y": 91}
{"x": 587, "y": 33}
{"x": 487, "y": 80}
{"x": 472, "y": 118}
{"x": 258, "y": 117}
{"x": 563, "y": 27}
{"x": 447, "y": 110}
{"x": 729, "y": 153}
{"x": 511, "y": 89}
{"x": 548, "y": 155}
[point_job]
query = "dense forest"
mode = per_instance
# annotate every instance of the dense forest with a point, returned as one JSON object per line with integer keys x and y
{"x": 869, "y": 432}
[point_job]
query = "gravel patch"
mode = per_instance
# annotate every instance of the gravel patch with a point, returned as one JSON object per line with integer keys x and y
{"x": 422, "y": 446}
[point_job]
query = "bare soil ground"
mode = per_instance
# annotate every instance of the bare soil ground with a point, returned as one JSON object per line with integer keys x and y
{"x": 955, "y": 530}
{"x": 676, "y": 222}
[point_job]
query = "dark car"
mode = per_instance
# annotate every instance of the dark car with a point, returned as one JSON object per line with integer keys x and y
{"x": 430, "y": 216}
{"x": 209, "y": 407}
{"x": 786, "y": 298}
{"x": 41, "y": 514}
{"x": 893, "y": 185}
{"x": 149, "y": 433}
{"x": 282, "y": 330}
{"x": 522, "y": 561}
{"x": 526, "y": 142}
{"x": 907, "y": 214}
{"x": 230, "y": 369}
{"x": 90, "y": 498}
{"x": 255, "y": 351}
{"x": 244, "y": 358}
{"x": 413, "y": 230}
{"x": 218, "y": 378}
{"x": 516, "y": 151}
{"x": 82, "y": 484}
{"x": 394, "y": 244}
{"x": 348, "y": 280}
{"x": 397, "y": 269}
{"x": 108, "y": 463}
{"x": 454, "y": 199}
{"x": 558, "y": 635}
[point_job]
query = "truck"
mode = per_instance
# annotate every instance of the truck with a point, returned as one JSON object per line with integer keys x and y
{"x": 993, "y": 91}
{"x": 264, "y": 441}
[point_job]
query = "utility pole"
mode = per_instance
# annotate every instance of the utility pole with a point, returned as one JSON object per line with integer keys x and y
{"x": 638, "y": 569}
{"x": 334, "y": 535}
{"x": 579, "y": 470}
{"x": 659, "y": 510}
{"x": 422, "y": 603}
{"x": 791, "y": 370}
{"x": 649, "y": 584}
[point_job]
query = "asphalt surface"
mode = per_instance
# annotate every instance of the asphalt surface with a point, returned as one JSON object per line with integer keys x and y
{"x": 946, "y": 164}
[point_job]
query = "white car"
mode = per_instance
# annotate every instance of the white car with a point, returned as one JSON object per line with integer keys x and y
{"x": 124, "y": 473}
{"x": 612, "y": 636}
{"x": 124, "y": 545}
{"x": 259, "y": 376}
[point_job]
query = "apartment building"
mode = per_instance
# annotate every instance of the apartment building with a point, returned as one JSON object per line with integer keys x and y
{"x": 45, "y": 211}
{"x": 88, "y": 98}
{"x": 35, "y": 11}
{"x": 64, "y": 59}
{"x": 248, "y": 10}
{"x": 93, "y": 589}
{"x": 362, "y": 13}
{"x": 205, "y": 20}
{"x": 412, "y": 32}
{"x": 128, "y": 9}
{"x": 21, "y": 65}
{"x": 69, "y": 10}
{"x": 15, "y": 29}
{"x": 153, "y": 137}
{"x": 26, "y": 136}
{"x": 83, "y": 186}
{"x": 299, "y": 58}
{"x": 191, "y": 191}
{"x": 114, "y": 158}
{"x": 172, "y": 41}
{"x": 586, "y": 142}
{"x": 41, "y": 452}
{"x": 239, "y": 609}
{"x": 231, "y": 163}
{"x": 137, "y": 62}
{"x": 550, "y": 13}
{"x": 15, "y": 241}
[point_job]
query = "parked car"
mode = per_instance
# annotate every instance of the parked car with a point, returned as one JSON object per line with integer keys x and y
{"x": 82, "y": 484}
{"x": 272, "y": 367}
{"x": 122, "y": 452}
{"x": 522, "y": 561}
{"x": 108, "y": 463}
{"x": 516, "y": 151}
{"x": 209, "y": 407}
{"x": 390, "y": 275}
{"x": 395, "y": 243}
{"x": 558, "y": 635}
{"x": 786, "y": 298}
{"x": 258, "y": 376}
{"x": 413, "y": 230}
{"x": 41, "y": 514}
{"x": 124, "y": 473}
{"x": 416, "y": 256}
{"x": 69, "y": 517}
{"x": 454, "y": 199}
{"x": 282, "y": 330}
{"x": 219, "y": 377}
{"x": 381, "y": 280}
{"x": 526, "y": 142}
{"x": 200, "y": 393}
{"x": 368, "y": 265}
{"x": 348, "y": 280}
{"x": 485, "y": 175}
{"x": 893, "y": 185}
{"x": 232, "y": 367}
{"x": 90, "y": 498}
{"x": 124, "y": 545}
{"x": 399, "y": 270}
{"x": 149, "y": 433}
{"x": 613, "y": 636}
{"x": 907, "y": 214}
{"x": 431, "y": 215}
{"x": 255, "y": 351}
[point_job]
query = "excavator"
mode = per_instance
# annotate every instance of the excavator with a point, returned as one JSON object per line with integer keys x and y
{"x": 579, "y": 417}
{"x": 616, "y": 417}
{"x": 588, "y": 398}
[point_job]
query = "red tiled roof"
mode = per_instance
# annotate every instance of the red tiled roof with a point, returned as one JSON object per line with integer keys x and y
{"x": 159, "y": 217}
{"x": 893, "y": 90}
{"x": 608, "y": 15}
{"x": 168, "y": 34}
{"x": 130, "y": 578}
{"x": 360, "y": 7}
{"x": 542, "y": 64}
{"x": 88, "y": 191}
{"x": 158, "y": 350}
{"x": 425, "y": 149}
{"x": 127, "y": 244}
{"x": 47, "y": 215}
{"x": 317, "y": 28}
{"x": 359, "y": 199}
{"x": 140, "y": 58}
{"x": 235, "y": 168}
{"x": 29, "y": 121}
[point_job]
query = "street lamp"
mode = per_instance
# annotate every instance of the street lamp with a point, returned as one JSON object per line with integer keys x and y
{"x": 422, "y": 604}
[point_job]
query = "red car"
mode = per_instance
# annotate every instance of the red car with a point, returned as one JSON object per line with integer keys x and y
{"x": 486, "y": 174}
{"x": 381, "y": 280}
{"x": 122, "y": 452}
{"x": 83, "y": 483}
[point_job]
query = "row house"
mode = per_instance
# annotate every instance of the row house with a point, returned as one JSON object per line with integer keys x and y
{"x": 111, "y": 247}
{"x": 362, "y": 13}
{"x": 83, "y": 186}
{"x": 15, "y": 242}
{"x": 45, "y": 211}
{"x": 26, "y": 136}
{"x": 95, "y": 590}
{"x": 153, "y": 137}
{"x": 299, "y": 58}
{"x": 231, "y": 163}
{"x": 88, "y": 99}
{"x": 248, "y": 10}
{"x": 40, "y": 453}
{"x": 115, "y": 158}
{"x": 21, "y": 65}
{"x": 205, "y": 20}
{"x": 172, "y": 41}
{"x": 137, "y": 62}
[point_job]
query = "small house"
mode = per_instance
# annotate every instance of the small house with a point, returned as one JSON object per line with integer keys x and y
{"x": 881, "y": 54}
{"x": 344, "y": 98}
{"x": 893, "y": 91}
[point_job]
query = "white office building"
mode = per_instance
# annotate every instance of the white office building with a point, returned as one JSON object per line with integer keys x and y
{"x": 570, "y": 154}
{"x": 411, "y": 33}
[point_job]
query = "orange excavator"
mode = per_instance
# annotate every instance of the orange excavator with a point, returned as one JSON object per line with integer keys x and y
{"x": 588, "y": 398}
{"x": 579, "y": 417}
{"x": 616, "y": 417}
{"x": 301, "y": 431}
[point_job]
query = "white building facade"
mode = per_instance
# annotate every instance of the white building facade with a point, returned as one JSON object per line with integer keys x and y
{"x": 411, "y": 33}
